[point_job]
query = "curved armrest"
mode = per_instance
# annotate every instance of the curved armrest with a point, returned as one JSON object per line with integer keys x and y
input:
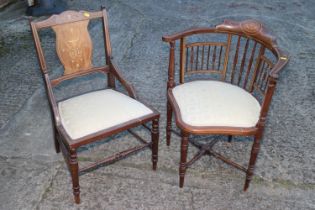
{"x": 65, "y": 137}
{"x": 117, "y": 73}
{"x": 283, "y": 58}
{"x": 52, "y": 100}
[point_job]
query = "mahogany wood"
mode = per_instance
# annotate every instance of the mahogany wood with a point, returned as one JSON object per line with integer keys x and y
{"x": 113, "y": 158}
{"x": 74, "y": 49}
{"x": 182, "y": 59}
{"x": 183, "y": 158}
{"x": 246, "y": 63}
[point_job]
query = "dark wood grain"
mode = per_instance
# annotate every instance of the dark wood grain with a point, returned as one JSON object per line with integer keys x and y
{"x": 74, "y": 48}
{"x": 243, "y": 66}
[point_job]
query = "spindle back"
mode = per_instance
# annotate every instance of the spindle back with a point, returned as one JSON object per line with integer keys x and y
{"x": 241, "y": 53}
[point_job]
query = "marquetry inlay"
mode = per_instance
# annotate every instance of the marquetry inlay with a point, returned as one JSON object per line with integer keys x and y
{"x": 74, "y": 46}
{"x": 251, "y": 26}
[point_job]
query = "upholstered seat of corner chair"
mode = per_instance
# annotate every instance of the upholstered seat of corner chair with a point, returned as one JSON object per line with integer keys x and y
{"x": 99, "y": 110}
{"x": 216, "y": 103}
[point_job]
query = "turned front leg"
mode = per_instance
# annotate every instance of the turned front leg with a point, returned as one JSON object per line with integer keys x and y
{"x": 74, "y": 171}
{"x": 183, "y": 158}
{"x": 155, "y": 142}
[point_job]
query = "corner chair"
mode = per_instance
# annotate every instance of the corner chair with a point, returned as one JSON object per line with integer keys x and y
{"x": 240, "y": 64}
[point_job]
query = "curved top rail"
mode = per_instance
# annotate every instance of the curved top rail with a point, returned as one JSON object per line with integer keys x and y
{"x": 69, "y": 16}
{"x": 250, "y": 28}
{"x": 188, "y": 32}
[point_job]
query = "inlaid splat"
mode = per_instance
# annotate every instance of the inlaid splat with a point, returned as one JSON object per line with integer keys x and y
{"x": 74, "y": 46}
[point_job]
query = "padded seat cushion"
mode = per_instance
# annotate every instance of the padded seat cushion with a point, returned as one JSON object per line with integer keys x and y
{"x": 86, "y": 114}
{"x": 215, "y": 103}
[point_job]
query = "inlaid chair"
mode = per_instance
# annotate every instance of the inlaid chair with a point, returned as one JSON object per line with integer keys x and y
{"x": 239, "y": 66}
{"x": 93, "y": 116}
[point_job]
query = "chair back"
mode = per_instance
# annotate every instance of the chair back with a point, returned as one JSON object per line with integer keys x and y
{"x": 73, "y": 43}
{"x": 242, "y": 53}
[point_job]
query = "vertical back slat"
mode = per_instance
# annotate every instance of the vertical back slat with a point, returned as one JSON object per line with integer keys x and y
{"x": 191, "y": 58}
{"x": 220, "y": 54}
{"x": 264, "y": 76}
{"x": 226, "y": 57}
{"x": 214, "y": 56}
{"x": 257, "y": 66}
{"x": 197, "y": 58}
{"x": 208, "y": 57}
{"x": 250, "y": 64}
{"x": 202, "y": 56}
{"x": 187, "y": 53}
{"x": 266, "y": 81}
{"x": 243, "y": 62}
{"x": 235, "y": 58}
{"x": 182, "y": 60}
{"x": 260, "y": 74}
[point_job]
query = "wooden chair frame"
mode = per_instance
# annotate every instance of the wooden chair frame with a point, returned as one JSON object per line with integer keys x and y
{"x": 263, "y": 69}
{"x": 63, "y": 141}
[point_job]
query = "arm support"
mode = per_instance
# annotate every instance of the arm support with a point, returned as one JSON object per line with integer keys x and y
{"x": 52, "y": 100}
{"x": 117, "y": 73}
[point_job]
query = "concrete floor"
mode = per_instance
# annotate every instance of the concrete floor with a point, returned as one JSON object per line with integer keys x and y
{"x": 33, "y": 176}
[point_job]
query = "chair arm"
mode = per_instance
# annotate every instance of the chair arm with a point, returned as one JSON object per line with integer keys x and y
{"x": 283, "y": 59}
{"x": 117, "y": 73}
{"x": 52, "y": 100}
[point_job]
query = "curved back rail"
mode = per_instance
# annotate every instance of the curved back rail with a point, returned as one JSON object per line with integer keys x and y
{"x": 241, "y": 53}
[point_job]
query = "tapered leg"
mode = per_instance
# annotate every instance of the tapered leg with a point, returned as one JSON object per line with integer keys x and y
{"x": 183, "y": 158}
{"x": 56, "y": 138}
{"x": 74, "y": 170}
{"x": 168, "y": 124}
{"x": 155, "y": 142}
{"x": 252, "y": 161}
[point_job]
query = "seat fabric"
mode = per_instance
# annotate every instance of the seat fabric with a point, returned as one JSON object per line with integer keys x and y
{"x": 215, "y": 103}
{"x": 91, "y": 112}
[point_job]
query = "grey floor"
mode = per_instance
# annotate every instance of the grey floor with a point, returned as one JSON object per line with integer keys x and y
{"x": 33, "y": 176}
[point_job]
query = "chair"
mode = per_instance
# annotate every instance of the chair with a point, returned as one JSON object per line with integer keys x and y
{"x": 90, "y": 117}
{"x": 239, "y": 69}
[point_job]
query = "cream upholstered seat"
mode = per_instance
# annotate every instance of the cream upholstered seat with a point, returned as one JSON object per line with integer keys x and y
{"x": 91, "y": 112}
{"x": 215, "y": 103}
